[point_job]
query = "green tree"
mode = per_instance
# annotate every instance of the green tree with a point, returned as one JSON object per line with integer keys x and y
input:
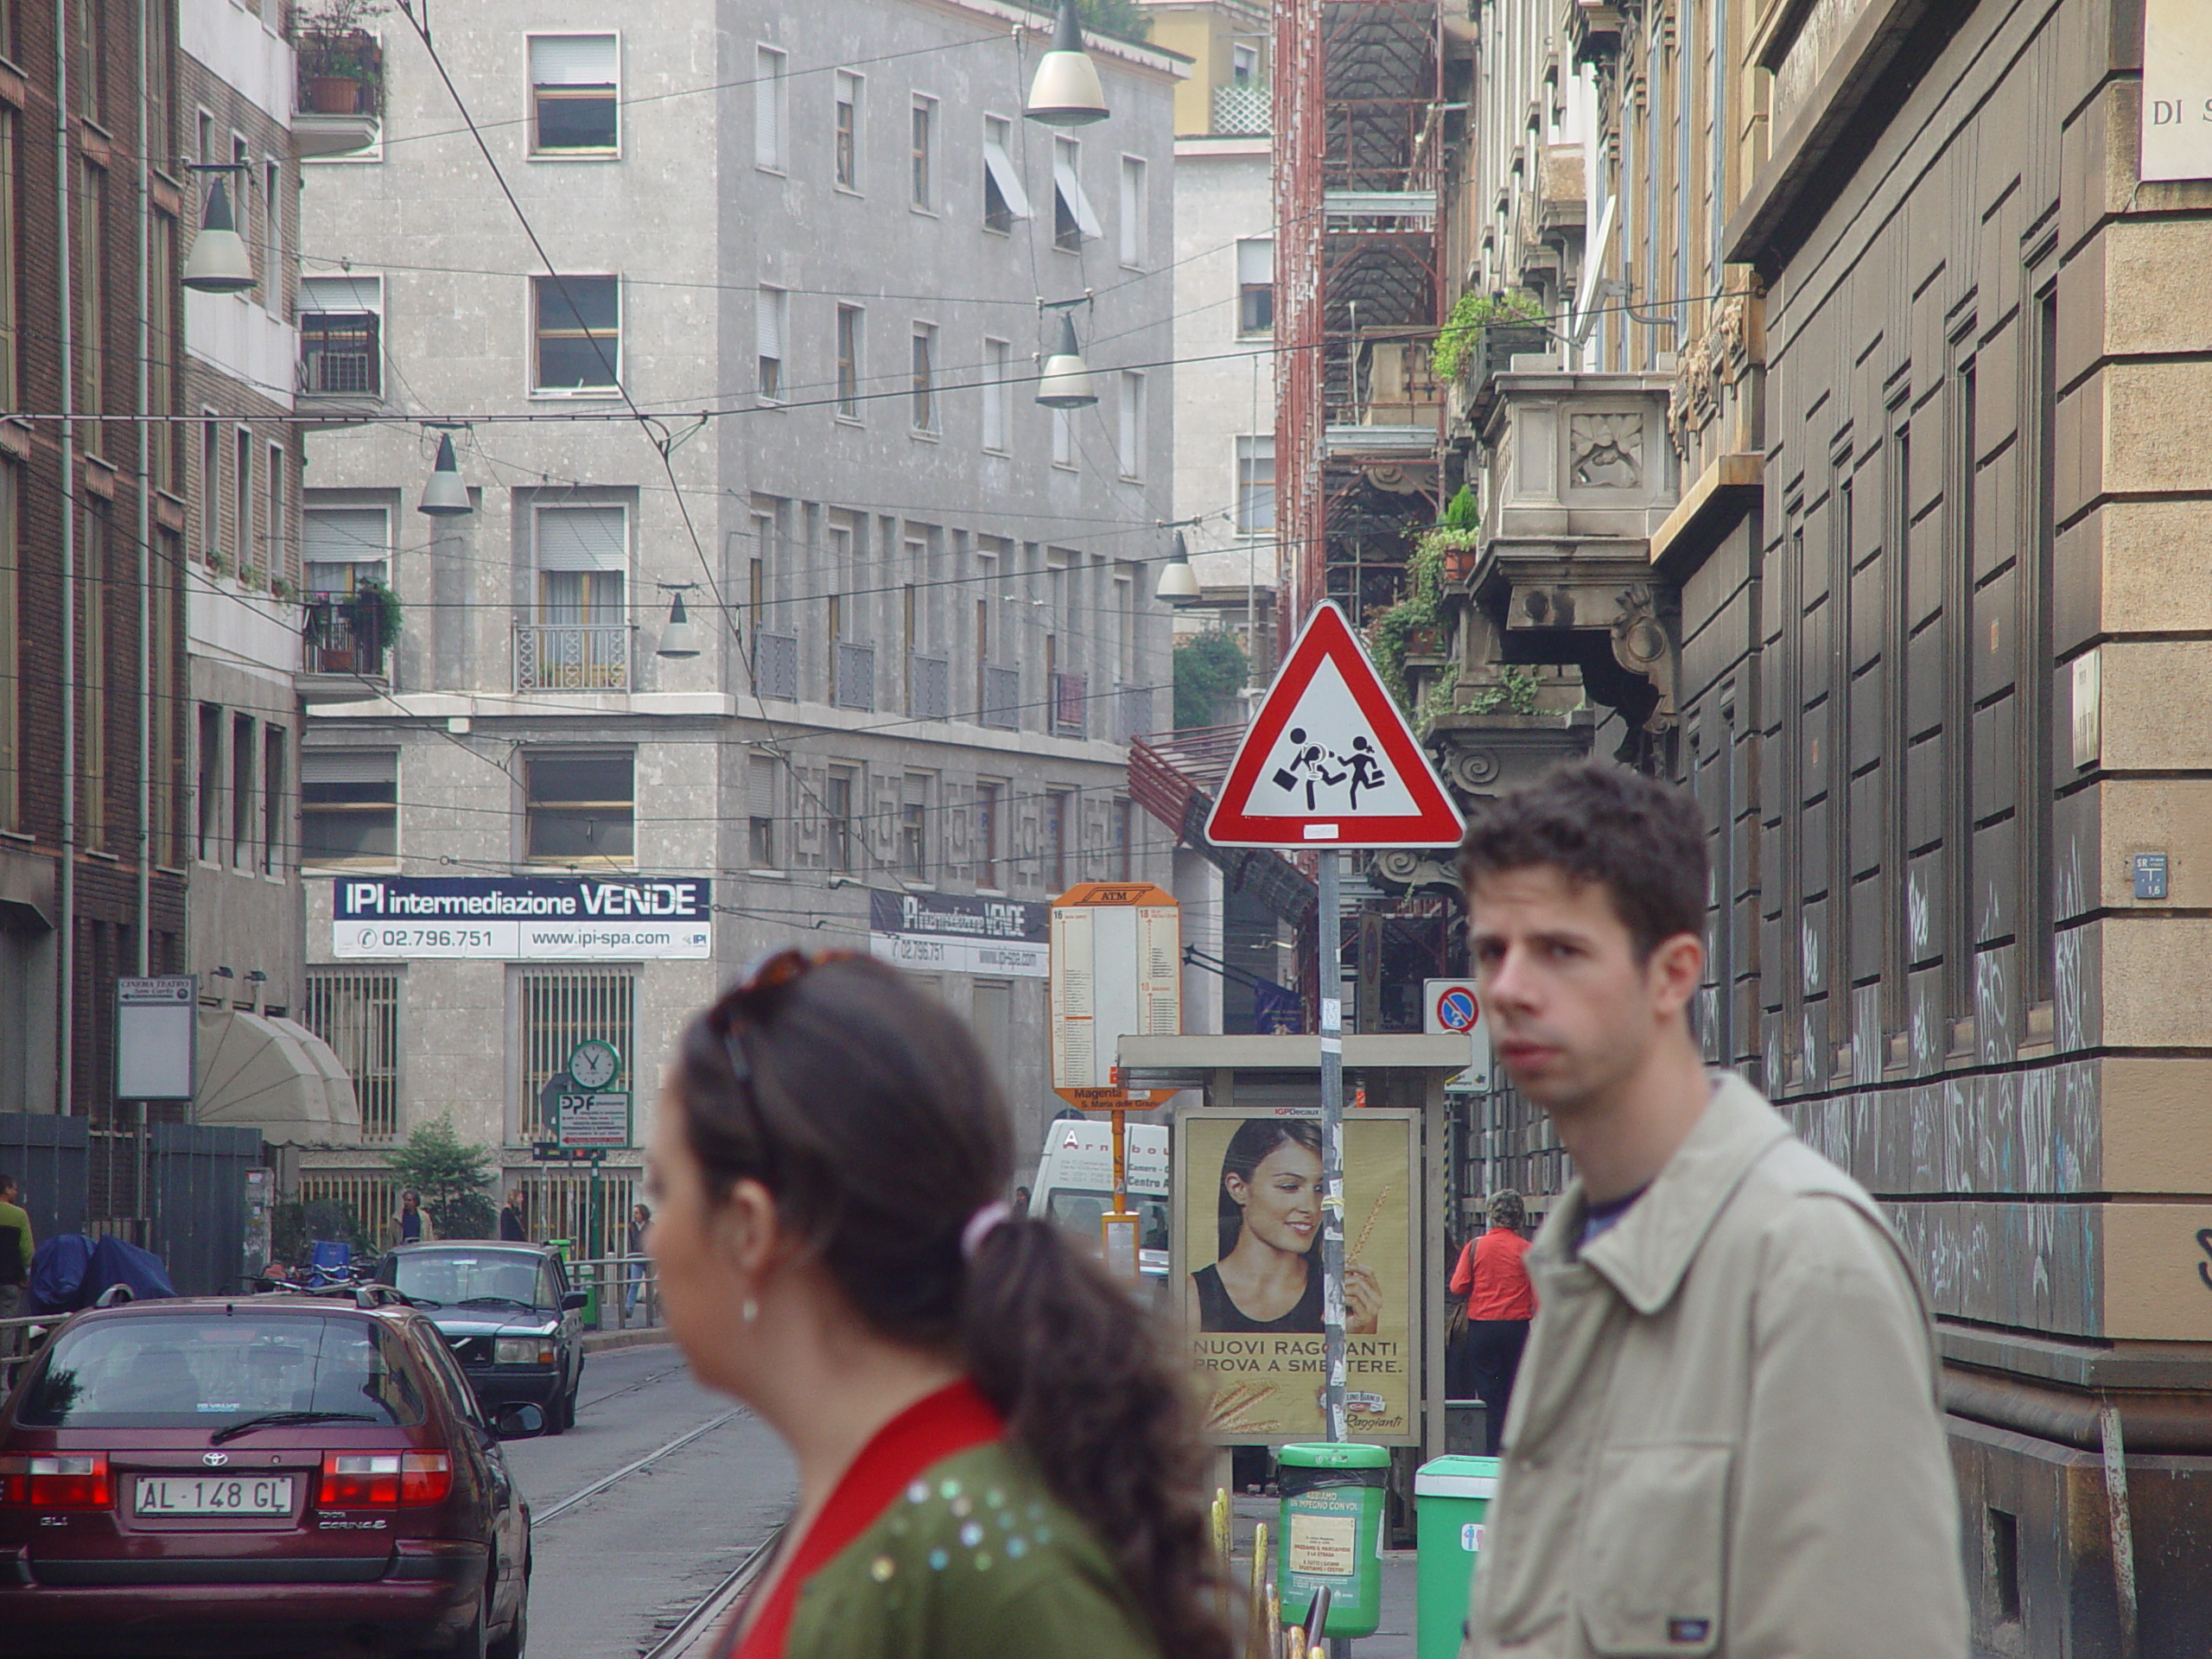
{"x": 454, "y": 1178}
{"x": 1210, "y": 668}
{"x": 1125, "y": 20}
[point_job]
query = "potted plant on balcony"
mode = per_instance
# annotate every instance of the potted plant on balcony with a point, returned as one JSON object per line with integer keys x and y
{"x": 1484, "y": 331}
{"x": 340, "y": 61}
{"x": 377, "y": 614}
{"x": 1456, "y": 537}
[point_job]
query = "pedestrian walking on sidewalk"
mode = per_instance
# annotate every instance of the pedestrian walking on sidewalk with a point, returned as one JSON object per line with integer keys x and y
{"x": 641, "y": 1219}
{"x": 15, "y": 1249}
{"x": 1726, "y": 1438}
{"x": 997, "y": 1456}
{"x": 1500, "y": 1304}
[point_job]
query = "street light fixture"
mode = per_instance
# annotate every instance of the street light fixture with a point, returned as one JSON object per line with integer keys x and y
{"x": 218, "y": 263}
{"x": 1066, "y": 91}
{"x": 1176, "y": 580}
{"x": 1066, "y": 380}
{"x": 444, "y": 496}
{"x": 679, "y": 640}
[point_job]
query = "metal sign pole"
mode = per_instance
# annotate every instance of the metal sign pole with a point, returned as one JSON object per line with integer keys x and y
{"x": 1332, "y": 1148}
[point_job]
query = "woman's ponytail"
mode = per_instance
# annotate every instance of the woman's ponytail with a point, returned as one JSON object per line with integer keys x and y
{"x": 1086, "y": 1381}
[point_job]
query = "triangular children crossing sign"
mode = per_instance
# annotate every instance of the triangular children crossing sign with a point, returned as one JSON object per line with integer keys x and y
{"x": 1331, "y": 762}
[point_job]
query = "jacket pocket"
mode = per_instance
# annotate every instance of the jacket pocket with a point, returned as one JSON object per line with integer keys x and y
{"x": 1654, "y": 1545}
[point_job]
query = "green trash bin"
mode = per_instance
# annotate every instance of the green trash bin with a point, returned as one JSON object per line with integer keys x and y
{"x": 1451, "y": 1500}
{"x": 1332, "y": 1532}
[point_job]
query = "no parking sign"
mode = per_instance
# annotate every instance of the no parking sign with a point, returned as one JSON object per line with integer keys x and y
{"x": 1449, "y": 1005}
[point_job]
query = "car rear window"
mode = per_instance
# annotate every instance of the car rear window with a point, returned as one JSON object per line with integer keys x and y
{"x": 452, "y": 1278}
{"x": 190, "y": 1370}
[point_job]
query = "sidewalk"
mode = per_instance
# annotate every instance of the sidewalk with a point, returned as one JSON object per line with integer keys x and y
{"x": 1394, "y": 1637}
{"x": 638, "y": 1336}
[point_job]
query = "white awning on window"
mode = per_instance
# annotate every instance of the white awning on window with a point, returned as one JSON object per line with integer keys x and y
{"x": 263, "y": 1071}
{"x": 582, "y": 538}
{"x": 347, "y": 536}
{"x": 1007, "y": 176}
{"x": 572, "y": 60}
{"x": 1255, "y": 260}
{"x": 1071, "y": 189}
{"x": 352, "y": 292}
{"x": 348, "y": 766}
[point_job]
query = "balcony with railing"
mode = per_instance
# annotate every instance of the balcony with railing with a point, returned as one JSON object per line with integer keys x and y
{"x": 341, "y": 362}
{"x": 928, "y": 687}
{"x": 775, "y": 665}
{"x": 1001, "y": 699}
{"x": 572, "y": 656}
{"x": 339, "y": 100}
{"x": 1244, "y": 112}
{"x": 853, "y": 671}
{"x": 342, "y": 650}
{"x": 1071, "y": 705}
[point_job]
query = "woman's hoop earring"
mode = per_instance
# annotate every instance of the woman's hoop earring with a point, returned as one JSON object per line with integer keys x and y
{"x": 748, "y": 1310}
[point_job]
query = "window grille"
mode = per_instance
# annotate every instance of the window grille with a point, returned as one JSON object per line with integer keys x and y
{"x": 560, "y": 1009}
{"x": 928, "y": 687}
{"x": 1002, "y": 698}
{"x": 557, "y": 1203}
{"x": 856, "y": 687}
{"x": 371, "y": 1198}
{"x": 775, "y": 665}
{"x": 357, "y": 1013}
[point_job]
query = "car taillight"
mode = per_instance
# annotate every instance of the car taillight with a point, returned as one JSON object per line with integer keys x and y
{"x": 425, "y": 1476}
{"x": 362, "y": 1480}
{"x": 78, "y": 1481}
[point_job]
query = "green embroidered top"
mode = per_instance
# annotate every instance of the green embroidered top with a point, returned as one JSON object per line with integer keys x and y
{"x": 973, "y": 1559}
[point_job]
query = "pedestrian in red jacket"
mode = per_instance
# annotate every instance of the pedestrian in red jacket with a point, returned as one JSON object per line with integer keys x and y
{"x": 1500, "y": 1303}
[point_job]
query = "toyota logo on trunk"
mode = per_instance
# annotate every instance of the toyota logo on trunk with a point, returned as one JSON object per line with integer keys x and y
{"x": 216, "y": 1459}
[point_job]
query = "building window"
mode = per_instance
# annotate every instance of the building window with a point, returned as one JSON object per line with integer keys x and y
{"x": 349, "y": 807}
{"x": 1004, "y": 199}
{"x": 924, "y": 376}
{"x": 356, "y": 1010}
{"x": 345, "y": 547}
{"x": 1052, "y": 846}
{"x": 1255, "y": 485}
{"x": 562, "y": 1008}
{"x": 1131, "y": 435}
{"x": 771, "y": 323}
{"x": 579, "y": 333}
{"x": 922, "y": 176}
{"x": 989, "y": 802}
{"x": 242, "y": 491}
{"x": 845, "y": 136}
{"x": 242, "y": 826}
{"x": 10, "y": 235}
{"x": 770, "y": 112}
{"x": 580, "y": 807}
{"x": 92, "y": 304}
{"x": 1133, "y": 210}
{"x": 211, "y": 489}
{"x": 93, "y": 671}
{"x": 1256, "y": 285}
{"x": 761, "y": 807}
{"x": 1073, "y": 218}
{"x": 1063, "y": 438}
{"x": 341, "y": 328}
{"x": 913, "y": 828}
{"x": 997, "y": 365}
{"x": 838, "y": 793}
{"x": 581, "y": 641}
{"x": 1244, "y": 65}
{"x": 575, "y": 94}
{"x": 849, "y": 362}
{"x": 165, "y": 335}
{"x": 273, "y": 773}
{"x": 10, "y": 653}
{"x": 210, "y": 801}
{"x": 274, "y": 547}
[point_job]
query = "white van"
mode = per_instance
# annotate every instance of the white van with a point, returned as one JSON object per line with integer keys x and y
{"x": 1075, "y": 1183}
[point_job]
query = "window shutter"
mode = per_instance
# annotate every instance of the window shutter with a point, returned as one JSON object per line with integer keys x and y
{"x": 348, "y": 766}
{"x": 768, "y": 322}
{"x": 572, "y": 60}
{"x": 341, "y": 294}
{"x": 1071, "y": 189}
{"x": 347, "y": 536}
{"x": 582, "y": 538}
{"x": 1007, "y": 176}
{"x": 761, "y": 787}
{"x": 1255, "y": 260}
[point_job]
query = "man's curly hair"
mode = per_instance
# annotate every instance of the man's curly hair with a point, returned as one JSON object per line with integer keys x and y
{"x": 1640, "y": 839}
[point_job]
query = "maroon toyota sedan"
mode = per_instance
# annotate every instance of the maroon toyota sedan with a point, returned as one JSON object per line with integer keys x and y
{"x": 279, "y": 1474}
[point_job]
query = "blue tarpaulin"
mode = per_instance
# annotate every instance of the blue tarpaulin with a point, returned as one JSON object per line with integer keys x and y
{"x": 71, "y": 1271}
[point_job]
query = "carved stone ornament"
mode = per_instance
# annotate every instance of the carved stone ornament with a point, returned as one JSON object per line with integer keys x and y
{"x": 1409, "y": 869}
{"x": 1716, "y": 361}
{"x": 1606, "y": 451}
{"x": 1472, "y": 770}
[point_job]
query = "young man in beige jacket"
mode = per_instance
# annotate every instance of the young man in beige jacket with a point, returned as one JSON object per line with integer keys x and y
{"x": 1726, "y": 1438}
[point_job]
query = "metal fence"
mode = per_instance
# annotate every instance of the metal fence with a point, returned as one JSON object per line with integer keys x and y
{"x": 49, "y": 1158}
{"x": 628, "y": 1289}
{"x": 197, "y": 1179}
{"x": 371, "y": 1197}
{"x": 775, "y": 665}
{"x": 1002, "y": 698}
{"x": 572, "y": 656}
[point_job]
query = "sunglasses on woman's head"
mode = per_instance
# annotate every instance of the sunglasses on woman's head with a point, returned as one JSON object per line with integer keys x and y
{"x": 773, "y": 972}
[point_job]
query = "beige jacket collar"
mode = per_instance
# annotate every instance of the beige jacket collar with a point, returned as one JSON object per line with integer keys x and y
{"x": 1645, "y": 1255}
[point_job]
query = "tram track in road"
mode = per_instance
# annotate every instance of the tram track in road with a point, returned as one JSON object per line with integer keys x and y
{"x": 684, "y": 1640}
{"x": 562, "y": 1506}
{"x": 644, "y": 1382}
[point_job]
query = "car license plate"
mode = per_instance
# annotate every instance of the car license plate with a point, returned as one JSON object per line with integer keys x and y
{"x": 215, "y": 1495}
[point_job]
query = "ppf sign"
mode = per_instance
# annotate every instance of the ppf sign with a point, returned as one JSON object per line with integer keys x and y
{"x": 521, "y": 918}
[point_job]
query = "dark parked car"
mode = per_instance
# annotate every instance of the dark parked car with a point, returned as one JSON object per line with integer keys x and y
{"x": 507, "y": 1313}
{"x": 266, "y": 1474}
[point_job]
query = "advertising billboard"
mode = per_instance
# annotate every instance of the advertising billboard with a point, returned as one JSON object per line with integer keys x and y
{"x": 955, "y": 933}
{"x": 1248, "y": 1254}
{"x": 521, "y": 918}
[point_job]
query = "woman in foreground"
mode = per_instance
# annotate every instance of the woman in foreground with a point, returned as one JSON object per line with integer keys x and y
{"x": 996, "y": 1456}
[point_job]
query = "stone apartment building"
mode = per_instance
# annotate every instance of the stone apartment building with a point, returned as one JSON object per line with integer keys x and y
{"x": 1852, "y": 471}
{"x": 92, "y": 607}
{"x": 784, "y": 378}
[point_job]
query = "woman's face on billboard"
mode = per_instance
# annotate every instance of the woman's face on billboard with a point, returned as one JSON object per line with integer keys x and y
{"x": 1282, "y": 1201}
